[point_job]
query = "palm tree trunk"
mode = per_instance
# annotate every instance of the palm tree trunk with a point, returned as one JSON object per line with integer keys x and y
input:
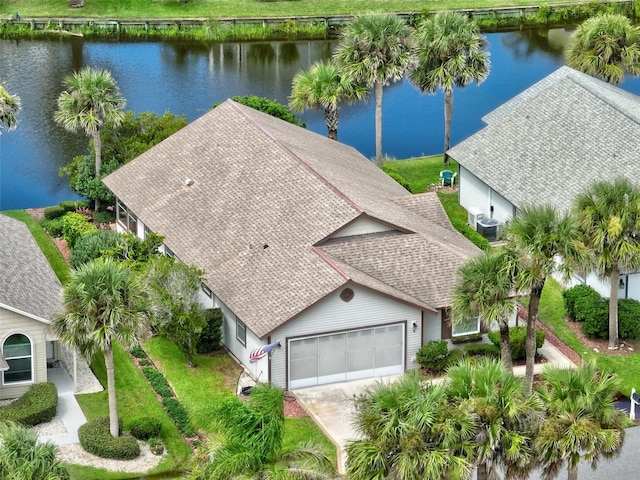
{"x": 378, "y": 92}
{"x": 530, "y": 342}
{"x": 505, "y": 350}
{"x": 331, "y": 121}
{"x": 97, "y": 147}
{"x": 481, "y": 473}
{"x": 111, "y": 390}
{"x": 613, "y": 307}
{"x": 448, "y": 112}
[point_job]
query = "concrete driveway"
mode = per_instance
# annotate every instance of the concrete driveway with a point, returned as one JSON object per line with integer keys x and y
{"x": 331, "y": 406}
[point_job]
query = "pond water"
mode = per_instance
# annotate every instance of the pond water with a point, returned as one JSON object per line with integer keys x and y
{"x": 189, "y": 77}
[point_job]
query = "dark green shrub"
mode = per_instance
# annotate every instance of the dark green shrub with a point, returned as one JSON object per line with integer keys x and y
{"x": 396, "y": 176}
{"x": 144, "y": 428}
{"x": 579, "y": 302}
{"x": 52, "y": 227}
{"x": 158, "y": 382}
{"x": 482, "y": 350}
{"x": 95, "y": 438}
{"x": 211, "y": 336}
{"x": 455, "y": 356}
{"x": 38, "y": 405}
{"x": 477, "y": 239}
{"x": 629, "y": 319}
{"x": 517, "y": 339}
{"x": 145, "y": 362}
{"x": 179, "y": 415}
{"x": 74, "y": 226}
{"x": 473, "y": 337}
{"x": 104, "y": 217}
{"x": 91, "y": 246}
{"x": 434, "y": 356}
{"x": 54, "y": 212}
{"x": 73, "y": 205}
{"x": 138, "y": 352}
{"x": 594, "y": 313}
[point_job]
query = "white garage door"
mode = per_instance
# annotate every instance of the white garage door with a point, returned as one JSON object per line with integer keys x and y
{"x": 338, "y": 357}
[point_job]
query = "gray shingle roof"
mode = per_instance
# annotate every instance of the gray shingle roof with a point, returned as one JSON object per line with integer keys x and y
{"x": 264, "y": 193}
{"x": 27, "y": 282}
{"x": 554, "y": 139}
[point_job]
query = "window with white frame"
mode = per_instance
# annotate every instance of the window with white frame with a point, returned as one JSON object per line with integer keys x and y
{"x": 126, "y": 219}
{"x": 17, "y": 352}
{"x": 241, "y": 331}
{"x": 466, "y": 328}
{"x": 206, "y": 290}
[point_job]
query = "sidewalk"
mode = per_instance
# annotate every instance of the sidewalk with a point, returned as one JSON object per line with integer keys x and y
{"x": 331, "y": 406}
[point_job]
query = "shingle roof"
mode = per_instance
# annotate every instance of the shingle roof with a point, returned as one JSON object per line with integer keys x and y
{"x": 27, "y": 282}
{"x": 264, "y": 193}
{"x": 554, "y": 139}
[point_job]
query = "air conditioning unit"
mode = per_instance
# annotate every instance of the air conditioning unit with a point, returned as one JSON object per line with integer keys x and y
{"x": 473, "y": 215}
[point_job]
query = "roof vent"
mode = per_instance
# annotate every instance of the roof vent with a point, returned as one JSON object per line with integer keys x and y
{"x": 188, "y": 182}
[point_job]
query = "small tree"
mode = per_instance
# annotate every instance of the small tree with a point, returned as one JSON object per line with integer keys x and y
{"x": 9, "y": 107}
{"x": 177, "y": 313}
{"x": 270, "y": 107}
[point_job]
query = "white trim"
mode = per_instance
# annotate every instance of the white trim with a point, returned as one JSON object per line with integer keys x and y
{"x": 31, "y": 356}
{"x": 25, "y": 314}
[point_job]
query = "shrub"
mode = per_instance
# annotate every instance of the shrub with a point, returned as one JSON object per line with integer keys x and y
{"x": 517, "y": 339}
{"x": 397, "y": 177}
{"x": 38, "y": 405}
{"x": 74, "y": 226}
{"x": 211, "y": 335}
{"x": 158, "y": 382}
{"x": 144, "y": 428}
{"x": 477, "y": 239}
{"x": 91, "y": 246}
{"x": 138, "y": 352}
{"x": 629, "y": 318}
{"x": 455, "y": 356}
{"x": 472, "y": 337}
{"x": 54, "y": 212}
{"x": 584, "y": 295}
{"x": 434, "y": 356}
{"x": 95, "y": 438}
{"x": 53, "y": 227}
{"x": 145, "y": 362}
{"x": 104, "y": 217}
{"x": 594, "y": 313}
{"x": 482, "y": 350}
{"x": 179, "y": 415}
{"x": 73, "y": 205}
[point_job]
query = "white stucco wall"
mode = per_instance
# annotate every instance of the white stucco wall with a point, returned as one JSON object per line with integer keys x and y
{"x": 474, "y": 193}
{"x": 366, "y": 309}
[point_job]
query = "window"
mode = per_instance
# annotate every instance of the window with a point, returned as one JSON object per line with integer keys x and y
{"x": 17, "y": 353}
{"x": 468, "y": 328}
{"x": 168, "y": 252}
{"x": 241, "y": 331}
{"x": 206, "y": 290}
{"x": 127, "y": 219}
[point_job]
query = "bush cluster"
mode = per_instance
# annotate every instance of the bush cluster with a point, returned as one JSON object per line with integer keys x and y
{"x": 158, "y": 382}
{"x": 477, "y": 239}
{"x": 54, "y": 212}
{"x": 53, "y": 227}
{"x": 144, "y": 428}
{"x": 96, "y": 438}
{"x": 211, "y": 335}
{"x": 397, "y": 177}
{"x": 91, "y": 246}
{"x": 73, "y": 205}
{"x": 37, "y": 405}
{"x": 482, "y": 350}
{"x": 74, "y": 226}
{"x": 435, "y": 356}
{"x": 138, "y": 352}
{"x": 517, "y": 340}
{"x": 179, "y": 415}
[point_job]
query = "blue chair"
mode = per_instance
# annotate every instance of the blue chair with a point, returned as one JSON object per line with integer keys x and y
{"x": 447, "y": 177}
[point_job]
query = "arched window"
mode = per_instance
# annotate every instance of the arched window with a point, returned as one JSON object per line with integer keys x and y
{"x": 16, "y": 350}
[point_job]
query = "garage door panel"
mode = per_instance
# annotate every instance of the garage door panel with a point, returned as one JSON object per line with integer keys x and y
{"x": 331, "y": 359}
{"x": 360, "y": 354}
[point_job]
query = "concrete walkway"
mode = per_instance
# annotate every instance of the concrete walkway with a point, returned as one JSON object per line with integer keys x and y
{"x": 69, "y": 410}
{"x": 332, "y": 407}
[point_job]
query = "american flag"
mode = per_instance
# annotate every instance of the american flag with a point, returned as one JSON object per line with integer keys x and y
{"x": 257, "y": 353}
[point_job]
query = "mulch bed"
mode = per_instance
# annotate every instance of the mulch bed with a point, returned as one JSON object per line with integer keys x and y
{"x": 292, "y": 408}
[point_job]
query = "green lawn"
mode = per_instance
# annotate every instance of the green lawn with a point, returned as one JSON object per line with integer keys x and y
{"x": 231, "y": 8}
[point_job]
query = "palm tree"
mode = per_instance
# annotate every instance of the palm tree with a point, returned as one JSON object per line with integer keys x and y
{"x": 486, "y": 289}
{"x": 23, "y": 456}
{"x": 450, "y": 54}
{"x": 582, "y": 421}
{"x": 545, "y": 242}
{"x": 606, "y": 46}
{"x": 91, "y": 99}
{"x": 609, "y": 216}
{"x": 507, "y": 419}
{"x": 9, "y": 107}
{"x": 375, "y": 50}
{"x": 410, "y": 430}
{"x": 324, "y": 86}
{"x": 253, "y": 445}
{"x": 103, "y": 303}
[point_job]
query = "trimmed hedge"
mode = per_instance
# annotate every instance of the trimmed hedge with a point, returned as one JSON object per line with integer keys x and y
{"x": 589, "y": 305}
{"x": 38, "y": 405}
{"x": 517, "y": 339}
{"x": 179, "y": 415}
{"x": 158, "y": 382}
{"x": 435, "y": 356}
{"x": 466, "y": 230}
{"x": 138, "y": 352}
{"x": 397, "y": 177}
{"x": 95, "y": 438}
{"x": 144, "y": 428}
{"x": 54, "y": 212}
{"x": 482, "y": 350}
{"x": 570, "y": 295}
{"x": 597, "y": 326}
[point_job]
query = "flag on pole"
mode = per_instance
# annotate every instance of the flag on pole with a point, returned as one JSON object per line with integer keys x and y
{"x": 260, "y": 352}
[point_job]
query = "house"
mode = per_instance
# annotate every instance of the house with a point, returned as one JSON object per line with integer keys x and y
{"x": 548, "y": 144}
{"x": 304, "y": 243}
{"x": 29, "y": 298}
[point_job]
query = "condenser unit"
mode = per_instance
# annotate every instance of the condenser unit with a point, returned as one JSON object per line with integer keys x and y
{"x": 473, "y": 215}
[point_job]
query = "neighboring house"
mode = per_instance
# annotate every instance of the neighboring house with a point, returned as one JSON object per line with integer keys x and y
{"x": 548, "y": 144}
{"x": 303, "y": 241}
{"x": 29, "y": 298}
